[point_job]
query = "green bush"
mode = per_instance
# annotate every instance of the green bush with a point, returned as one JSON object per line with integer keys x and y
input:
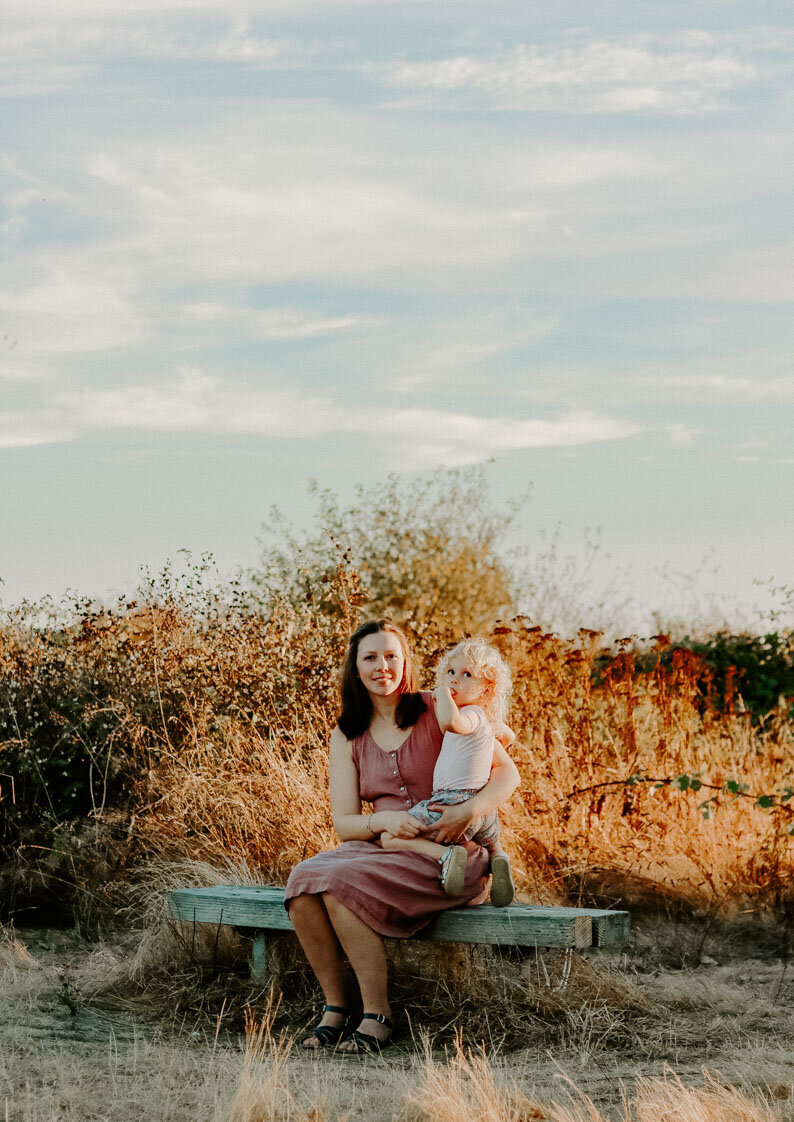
{"x": 757, "y": 668}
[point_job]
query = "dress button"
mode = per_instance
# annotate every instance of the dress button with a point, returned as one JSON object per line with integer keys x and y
{"x": 402, "y": 788}
{"x": 408, "y": 801}
{"x": 394, "y": 772}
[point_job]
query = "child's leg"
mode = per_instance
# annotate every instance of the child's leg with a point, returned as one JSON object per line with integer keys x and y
{"x": 486, "y": 832}
{"x": 502, "y": 888}
{"x": 451, "y": 858}
{"x": 414, "y": 845}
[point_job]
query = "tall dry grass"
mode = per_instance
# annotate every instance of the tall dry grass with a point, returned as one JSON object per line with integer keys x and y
{"x": 467, "y": 1085}
{"x": 253, "y": 788}
{"x": 215, "y": 719}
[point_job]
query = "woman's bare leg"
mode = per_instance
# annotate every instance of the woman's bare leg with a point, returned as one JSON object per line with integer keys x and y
{"x": 366, "y": 954}
{"x": 321, "y": 946}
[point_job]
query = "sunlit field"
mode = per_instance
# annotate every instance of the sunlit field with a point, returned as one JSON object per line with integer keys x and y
{"x": 181, "y": 739}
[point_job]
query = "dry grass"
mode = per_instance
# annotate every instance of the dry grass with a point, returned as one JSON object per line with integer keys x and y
{"x": 468, "y": 1085}
{"x": 220, "y": 722}
{"x": 215, "y": 721}
{"x": 119, "y": 1073}
{"x": 257, "y": 793}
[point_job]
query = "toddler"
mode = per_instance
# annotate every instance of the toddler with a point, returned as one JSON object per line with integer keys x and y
{"x": 473, "y": 684}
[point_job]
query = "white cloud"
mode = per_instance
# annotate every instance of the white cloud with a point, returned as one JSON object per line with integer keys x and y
{"x": 26, "y": 428}
{"x": 197, "y": 402}
{"x": 721, "y": 389}
{"x": 752, "y": 442}
{"x": 638, "y": 74}
{"x": 205, "y": 403}
{"x": 435, "y": 438}
{"x": 64, "y": 313}
{"x": 126, "y": 9}
{"x": 278, "y": 324}
{"x": 681, "y": 435}
{"x": 469, "y": 345}
{"x": 75, "y": 46}
{"x": 322, "y": 198}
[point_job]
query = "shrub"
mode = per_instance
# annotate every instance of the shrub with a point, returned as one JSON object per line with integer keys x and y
{"x": 202, "y": 714}
{"x": 424, "y": 550}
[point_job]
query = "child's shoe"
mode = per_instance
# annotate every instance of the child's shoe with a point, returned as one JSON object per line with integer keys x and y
{"x": 453, "y": 869}
{"x": 502, "y": 888}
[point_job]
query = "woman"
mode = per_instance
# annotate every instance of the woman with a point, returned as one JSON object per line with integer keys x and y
{"x": 343, "y": 902}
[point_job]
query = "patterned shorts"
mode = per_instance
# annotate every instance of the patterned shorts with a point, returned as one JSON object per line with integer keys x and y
{"x": 484, "y": 830}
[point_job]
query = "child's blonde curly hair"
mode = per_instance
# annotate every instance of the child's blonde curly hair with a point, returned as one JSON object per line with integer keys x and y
{"x": 491, "y": 667}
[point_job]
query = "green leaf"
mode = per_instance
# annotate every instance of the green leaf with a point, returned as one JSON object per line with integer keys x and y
{"x": 765, "y": 801}
{"x": 682, "y": 782}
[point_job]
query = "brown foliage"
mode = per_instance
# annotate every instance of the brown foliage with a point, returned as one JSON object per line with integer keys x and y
{"x": 204, "y": 716}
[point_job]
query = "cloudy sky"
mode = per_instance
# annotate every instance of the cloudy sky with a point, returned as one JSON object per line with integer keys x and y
{"x": 243, "y": 248}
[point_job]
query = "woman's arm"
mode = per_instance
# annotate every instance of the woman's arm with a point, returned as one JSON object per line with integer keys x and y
{"x": 349, "y": 823}
{"x": 456, "y": 819}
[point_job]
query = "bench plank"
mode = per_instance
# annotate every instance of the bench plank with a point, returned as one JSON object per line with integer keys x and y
{"x": 243, "y": 906}
{"x": 516, "y": 926}
{"x": 261, "y": 908}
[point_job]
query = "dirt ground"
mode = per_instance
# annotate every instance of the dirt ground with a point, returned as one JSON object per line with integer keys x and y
{"x": 715, "y": 999}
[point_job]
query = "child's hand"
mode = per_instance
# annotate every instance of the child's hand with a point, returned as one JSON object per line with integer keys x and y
{"x": 446, "y": 709}
{"x": 504, "y": 734}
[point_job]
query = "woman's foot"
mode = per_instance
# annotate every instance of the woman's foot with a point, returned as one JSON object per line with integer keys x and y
{"x": 502, "y": 888}
{"x": 453, "y": 869}
{"x": 370, "y": 1038}
{"x": 329, "y": 1031}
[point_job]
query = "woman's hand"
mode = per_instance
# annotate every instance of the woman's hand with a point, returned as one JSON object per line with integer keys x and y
{"x": 453, "y": 823}
{"x": 398, "y": 823}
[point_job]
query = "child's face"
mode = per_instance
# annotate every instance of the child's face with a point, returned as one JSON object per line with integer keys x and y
{"x": 465, "y": 684}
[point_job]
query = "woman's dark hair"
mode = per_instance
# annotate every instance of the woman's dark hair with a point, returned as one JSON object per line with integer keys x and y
{"x": 357, "y": 704}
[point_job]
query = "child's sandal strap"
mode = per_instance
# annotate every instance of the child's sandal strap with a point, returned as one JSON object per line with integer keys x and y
{"x": 379, "y": 1017}
{"x": 334, "y": 1009}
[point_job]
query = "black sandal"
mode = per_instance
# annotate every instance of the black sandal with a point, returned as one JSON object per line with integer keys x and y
{"x": 365, "y": 1043}
{"x": 327, "y": 1035}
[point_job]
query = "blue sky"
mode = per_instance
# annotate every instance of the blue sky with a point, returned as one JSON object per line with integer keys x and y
{"x": 243, "y": 248}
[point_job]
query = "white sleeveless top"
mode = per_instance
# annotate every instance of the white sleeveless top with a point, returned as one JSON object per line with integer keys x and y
{"x": 464, "y": 762}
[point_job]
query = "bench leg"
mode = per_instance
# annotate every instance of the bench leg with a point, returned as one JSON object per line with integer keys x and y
{"x": 259, "y": 956}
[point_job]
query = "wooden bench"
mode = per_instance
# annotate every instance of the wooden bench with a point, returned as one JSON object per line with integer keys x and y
{"x": 258, "y": 911}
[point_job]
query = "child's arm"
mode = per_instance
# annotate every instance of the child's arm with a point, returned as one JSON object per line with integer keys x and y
{"x": 504, "y": 734}
{"x": 450, "y": 718}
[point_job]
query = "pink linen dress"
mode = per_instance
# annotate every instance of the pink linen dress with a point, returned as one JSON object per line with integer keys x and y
{"x": 396, "y": 893}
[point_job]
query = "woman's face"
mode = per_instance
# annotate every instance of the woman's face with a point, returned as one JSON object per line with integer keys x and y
{"x": 380, "y": 663}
